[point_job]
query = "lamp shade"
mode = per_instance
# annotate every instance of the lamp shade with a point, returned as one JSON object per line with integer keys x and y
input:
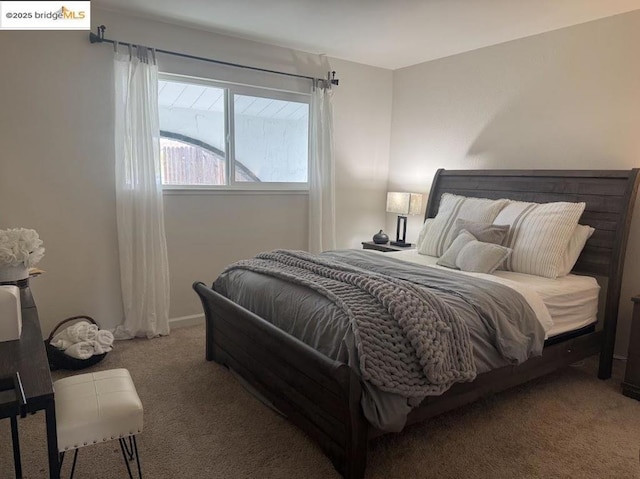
{"x": 404, "y": 203}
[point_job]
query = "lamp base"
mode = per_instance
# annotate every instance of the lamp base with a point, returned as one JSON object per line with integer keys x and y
{"x": 401, "y": 244}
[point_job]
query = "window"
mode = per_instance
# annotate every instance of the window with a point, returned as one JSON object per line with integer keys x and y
{"x": 226, "y": 135}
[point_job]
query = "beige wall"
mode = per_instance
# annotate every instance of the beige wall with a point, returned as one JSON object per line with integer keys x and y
{"x": 564, "y": 99}
{"x": 57, "y": 171}
{"x": 56, "y": 168}
{"x": 362, "y": 120}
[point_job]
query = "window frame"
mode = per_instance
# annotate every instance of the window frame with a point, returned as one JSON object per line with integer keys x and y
{"x": 231, "y": 89}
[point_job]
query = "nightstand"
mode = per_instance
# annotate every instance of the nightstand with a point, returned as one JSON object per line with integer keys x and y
{"x": 387, "y": 247}
{"x": 631, "y": 384}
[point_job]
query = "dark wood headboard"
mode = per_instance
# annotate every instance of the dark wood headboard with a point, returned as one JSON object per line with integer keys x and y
{"x": 609, "y": 196}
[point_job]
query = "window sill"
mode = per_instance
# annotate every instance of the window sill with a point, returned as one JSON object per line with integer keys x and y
{"x": 194, "y": 191}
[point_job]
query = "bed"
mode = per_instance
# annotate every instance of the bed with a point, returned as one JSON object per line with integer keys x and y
{"x": 323, "y": 396}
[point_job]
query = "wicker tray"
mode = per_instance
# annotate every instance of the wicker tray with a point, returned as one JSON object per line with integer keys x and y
{"x": 59, "y": 360}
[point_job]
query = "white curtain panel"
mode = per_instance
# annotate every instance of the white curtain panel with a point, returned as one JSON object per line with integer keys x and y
{"x": 322, "y": 222}
{"x": 144, "y": 266}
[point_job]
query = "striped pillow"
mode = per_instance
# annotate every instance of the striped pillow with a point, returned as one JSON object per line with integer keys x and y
{"x": 423, "y": 232}
{"x": 539, "y": 235}
{"x": 438, "y": 233}
{"x": 576, "y": 244}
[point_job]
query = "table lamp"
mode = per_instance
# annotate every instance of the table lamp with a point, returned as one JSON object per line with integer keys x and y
{"x": 403, "y": 204}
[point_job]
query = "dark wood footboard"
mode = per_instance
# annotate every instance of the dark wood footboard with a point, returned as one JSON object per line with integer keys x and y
{"x": 319, "y": 395}
{"x": 323, "y": 396}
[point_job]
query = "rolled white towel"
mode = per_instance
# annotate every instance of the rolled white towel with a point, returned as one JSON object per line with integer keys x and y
{"x": 105, "y": 338}
{"x": 81, "y": 350}
{"x": 69, "y": 335}
{"x": 60, "y": 343}
{"x": 70, "y": 331}
{"x": 82, "y": 331}
{"x": 103, "y": 342}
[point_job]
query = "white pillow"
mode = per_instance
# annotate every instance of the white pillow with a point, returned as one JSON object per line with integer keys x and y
{"x": 576, "y": 244}
{"x": 438, "y": 234}
{"x": 539, "y": 235}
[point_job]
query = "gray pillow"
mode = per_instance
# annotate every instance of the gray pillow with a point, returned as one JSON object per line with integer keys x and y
{"x": 448, "y": 259}
{"x": 479, "y": 257}
{"x": 485, "y": 232}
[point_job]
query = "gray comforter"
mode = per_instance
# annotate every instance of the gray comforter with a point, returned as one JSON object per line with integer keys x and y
{"x": 502, "y": 327}
{"x": 410, "y": 342}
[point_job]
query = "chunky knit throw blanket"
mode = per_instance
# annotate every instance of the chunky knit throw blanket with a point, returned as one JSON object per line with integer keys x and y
{"x": 409, "y": 341}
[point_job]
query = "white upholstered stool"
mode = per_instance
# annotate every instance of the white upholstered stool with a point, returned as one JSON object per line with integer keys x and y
{"x": 98, "y": 407}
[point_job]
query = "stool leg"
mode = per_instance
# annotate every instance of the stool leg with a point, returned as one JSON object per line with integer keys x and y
{"x": 17, "y": 462}
{"x": 124, "y": 455}
{"x": 129, "y": 449}
{"x": 73, "y": 466}
{"x": 135, "y": 447}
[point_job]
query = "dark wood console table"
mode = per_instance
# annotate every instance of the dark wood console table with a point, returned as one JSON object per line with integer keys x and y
{"x": 631, "y": 383}
{"x": 29, "y": 357}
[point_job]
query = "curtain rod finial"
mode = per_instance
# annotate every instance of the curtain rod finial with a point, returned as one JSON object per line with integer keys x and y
{"x": 99, "y": 37}
{"x": 333, "y": 79}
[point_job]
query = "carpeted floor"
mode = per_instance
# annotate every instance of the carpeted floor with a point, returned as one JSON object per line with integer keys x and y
{"x": 201, "y": 423}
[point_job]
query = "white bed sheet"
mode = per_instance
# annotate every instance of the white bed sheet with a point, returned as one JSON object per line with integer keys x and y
{"x": 561, "y": 305}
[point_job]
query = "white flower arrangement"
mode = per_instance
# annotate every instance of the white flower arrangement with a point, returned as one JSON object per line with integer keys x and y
{"x": 20, "y": 247}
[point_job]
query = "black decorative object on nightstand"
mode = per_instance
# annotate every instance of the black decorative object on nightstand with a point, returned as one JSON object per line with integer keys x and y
{"x": 381, "y": 237}
{"x": 386, "y": 248}
{"x": 631, "y": 384}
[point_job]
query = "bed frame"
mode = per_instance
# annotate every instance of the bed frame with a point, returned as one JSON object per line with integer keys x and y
{"x": 322, "y": 396}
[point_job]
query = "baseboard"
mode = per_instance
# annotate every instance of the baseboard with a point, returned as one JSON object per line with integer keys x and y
{"x": 183, "y": 321}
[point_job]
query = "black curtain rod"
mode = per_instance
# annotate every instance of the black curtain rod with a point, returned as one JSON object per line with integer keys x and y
{"x": 99, "y": 38}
